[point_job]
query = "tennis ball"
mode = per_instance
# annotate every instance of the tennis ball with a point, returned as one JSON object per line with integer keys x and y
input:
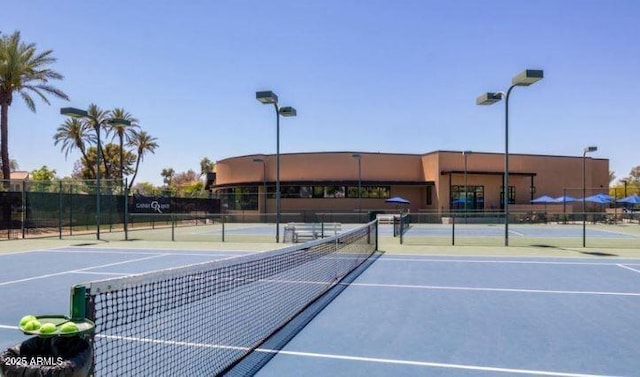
{"x": 26, "y": 319}
{"x": 68, "y": 328}
{"x": 32, "y": 325}
{"x": 47, "y": 328}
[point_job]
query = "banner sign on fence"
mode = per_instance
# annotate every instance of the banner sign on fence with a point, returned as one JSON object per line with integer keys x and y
{"x": 150, "y": 204}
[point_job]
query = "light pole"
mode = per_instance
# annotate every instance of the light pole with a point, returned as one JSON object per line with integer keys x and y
{"x": 625, "y": 181}
{"x": 264, "y": 183}
{"x": 525, "y": 78}
{"x": 78, "y": 113}
{"x": 465, "y": 154}
{"x": 268, "y": 97}
{"x": 591, "y": 148}
{"x": 358, "y": 157}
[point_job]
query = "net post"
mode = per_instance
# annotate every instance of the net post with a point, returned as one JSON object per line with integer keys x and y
{"x": 401, "y": 229}
{"x": 377, "y": 223}
{"x": 78, "y": 302}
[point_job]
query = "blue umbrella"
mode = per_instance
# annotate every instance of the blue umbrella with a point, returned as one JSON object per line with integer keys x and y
{"x": 563, "y": 199}
{"x": 633, "y": 199}
{"x": 397, "y": 200}
{"x": 599, "y": 198}
{"x": 544, "y": 199}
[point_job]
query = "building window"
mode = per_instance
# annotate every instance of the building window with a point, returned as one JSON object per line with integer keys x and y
{"x": 305, "y": 192}
{"x": 474, "y": 199}
{"x": 429, "y": 195}
{"x": 512, "y": 196}
{"x": 239, "y": 198}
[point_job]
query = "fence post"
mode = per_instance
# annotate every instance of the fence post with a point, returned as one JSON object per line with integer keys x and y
{"x": 23, "y": 211}
{"x": 126, "y": 210}
{"x": 59, "y": 210}
{"x": 453, "y": 229}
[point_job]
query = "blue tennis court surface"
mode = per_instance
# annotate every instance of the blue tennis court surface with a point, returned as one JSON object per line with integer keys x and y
{"x": 39, "y": 282}
{"x": 515, "y": 230}
{"x": 404, "y": 315}
{"x": 426, "y": 316}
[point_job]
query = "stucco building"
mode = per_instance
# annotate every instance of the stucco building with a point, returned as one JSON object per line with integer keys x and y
{"x": 432, "y": 182}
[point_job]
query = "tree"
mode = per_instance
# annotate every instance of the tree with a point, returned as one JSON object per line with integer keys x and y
{"x": 206, "y": 166}
{"x": 42, "y": 179}
{"x": 187, "y": 183}
{"x": 43, "y": 174}
{"x": 634, "y": 174}
{"x": 74, "y": 133}
{"x": 97, "y": 119}
{"x": 146, "y": 188}
{"x": 123, "y": 132}
{"x": 612, "y": 176}
{"x": 23, "y": 70}
{"x": 111, "y": 160}
{"x": 167, "y": 175}
{"x": 143, "y": 143}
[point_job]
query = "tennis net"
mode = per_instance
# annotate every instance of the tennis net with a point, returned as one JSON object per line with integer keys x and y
{"x": 202, "y": 319}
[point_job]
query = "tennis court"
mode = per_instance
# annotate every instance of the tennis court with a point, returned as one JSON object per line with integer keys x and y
{"x": 402, "y": 314}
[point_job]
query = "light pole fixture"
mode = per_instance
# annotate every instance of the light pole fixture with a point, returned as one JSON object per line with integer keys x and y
{"x": 589, "y": 149}
{"x": 79, "y": 113}
{"x": 358, "y": 157}
{"x": 267, "y": 97}
{"x": 465, "y": 154}
{"x": 525, "y": 78}
{"x": 264, "y": 182}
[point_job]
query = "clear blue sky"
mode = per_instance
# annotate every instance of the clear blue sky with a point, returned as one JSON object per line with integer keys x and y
{"x": 364, "y": 75}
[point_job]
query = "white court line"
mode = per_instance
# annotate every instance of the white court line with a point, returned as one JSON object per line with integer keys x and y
{"x": 77, "y": 270}
{"x": 357, "y": 358}
{"x": 30, "y": 251}
{"x": 628, "y": 268}
{"x": 453, "y": 288}
{"x": 133, "y": 252}
{"x": 100, "y": 273}
{"x": 394, "y": 259}
{"x": 5, "y": 327}
{"x": 516, "y": 233}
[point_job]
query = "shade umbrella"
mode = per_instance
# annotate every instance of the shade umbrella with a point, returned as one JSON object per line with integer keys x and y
{"x": 397, "y": 200}
{"x": 632, "y": 199}
{"x": 565, "y": 199}
{"x": 544, "y": 199}
{"x": 599, "y": 198}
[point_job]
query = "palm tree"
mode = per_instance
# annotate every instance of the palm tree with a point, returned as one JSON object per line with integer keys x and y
{"x": 74, "y": 133}
{"x": 97, "y": 119}
{"x": 23, "y": 70}
{"x": 167, "y": 175}
{"x": 206, "y": 166}
{"x": 123, "y": 132}
{"x": 143, "y": 142}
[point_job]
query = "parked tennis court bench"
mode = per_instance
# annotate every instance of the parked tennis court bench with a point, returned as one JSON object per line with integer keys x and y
{"x": 310, "y": 231}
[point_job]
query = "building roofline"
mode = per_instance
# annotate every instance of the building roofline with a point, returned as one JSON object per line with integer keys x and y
{"x": 257, "y": 155}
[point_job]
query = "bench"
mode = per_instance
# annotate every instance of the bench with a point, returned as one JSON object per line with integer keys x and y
{"x": 311, "y": 231}
{"x": 385, "y": 218}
